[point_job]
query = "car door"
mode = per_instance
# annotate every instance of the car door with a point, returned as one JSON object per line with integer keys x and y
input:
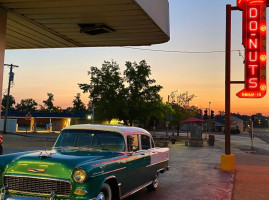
{"x": 147, "y": 147}
{"x": 136, "y": 163}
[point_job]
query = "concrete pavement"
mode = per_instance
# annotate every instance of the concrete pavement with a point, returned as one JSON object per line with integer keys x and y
{"x": 252, "y": 167}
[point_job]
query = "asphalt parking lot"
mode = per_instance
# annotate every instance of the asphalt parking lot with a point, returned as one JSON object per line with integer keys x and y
{"x": 192, "y": 176}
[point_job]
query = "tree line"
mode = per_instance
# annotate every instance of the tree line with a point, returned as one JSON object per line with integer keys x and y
{"x": 132, "y": 96}
{"x": 30, "y": 105}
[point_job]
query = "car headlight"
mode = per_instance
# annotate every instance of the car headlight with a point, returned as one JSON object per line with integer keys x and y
{"x": 79, "y": 175}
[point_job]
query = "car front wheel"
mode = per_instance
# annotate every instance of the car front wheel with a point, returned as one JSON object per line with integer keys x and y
{"x": 105, "y": 193}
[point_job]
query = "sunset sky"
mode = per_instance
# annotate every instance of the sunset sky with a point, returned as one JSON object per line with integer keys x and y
{"x": 195, "y": 26}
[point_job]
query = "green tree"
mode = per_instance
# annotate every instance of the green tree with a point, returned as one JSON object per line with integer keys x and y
{"x": 78, "y": 105}
{"x": 12, "y": 103}
{"x": 27, "y": 105}
{"x": 162, "y": 111}
{"x": 143, "y": 94}
{"x": 48, "y": 104}
{"x": 106, "y": 90}
{"x": 132, "y": 97}
{"x": 182, "y": 109}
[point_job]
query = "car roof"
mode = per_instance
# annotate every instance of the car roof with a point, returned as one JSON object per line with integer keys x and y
{"x": 125, "y": 130}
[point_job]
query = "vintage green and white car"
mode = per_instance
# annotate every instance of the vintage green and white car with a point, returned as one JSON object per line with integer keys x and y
{"x": 93, "y": 162}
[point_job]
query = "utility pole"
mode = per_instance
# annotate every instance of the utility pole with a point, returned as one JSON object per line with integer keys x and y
{"x": 11, "y": 78}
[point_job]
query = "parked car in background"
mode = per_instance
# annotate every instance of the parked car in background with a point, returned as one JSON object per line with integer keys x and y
{"x": 1, "y": 147}
{"x": 93, "y": 162}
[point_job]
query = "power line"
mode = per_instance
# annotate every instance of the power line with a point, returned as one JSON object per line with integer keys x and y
{"x": 183, "y": 52}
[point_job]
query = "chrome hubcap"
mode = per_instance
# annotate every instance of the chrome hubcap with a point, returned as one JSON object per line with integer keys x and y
{"x": 155, "y": 182}
{"x": 100, "y": 196}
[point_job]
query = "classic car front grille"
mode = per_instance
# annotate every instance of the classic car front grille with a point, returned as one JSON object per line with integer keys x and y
{"x": 37, "y": 185}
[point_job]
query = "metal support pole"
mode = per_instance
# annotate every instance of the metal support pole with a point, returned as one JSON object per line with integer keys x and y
{"x": 228, "y": 81}
{"x": 11, "y": 78}
{"x": 252, "y": 137}
{"x": 7, "y": 99}
{"x": 3, "y": 22}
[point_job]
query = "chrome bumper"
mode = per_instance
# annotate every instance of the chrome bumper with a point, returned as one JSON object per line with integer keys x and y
{"x": 5, "y": 196}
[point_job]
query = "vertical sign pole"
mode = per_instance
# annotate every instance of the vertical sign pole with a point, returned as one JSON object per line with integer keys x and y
{"x": 228, "y": 81}
{"x": 228, "y": 160}
{"x": 3, "y": 23}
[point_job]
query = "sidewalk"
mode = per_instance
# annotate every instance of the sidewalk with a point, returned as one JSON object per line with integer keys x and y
{"x": 252, "y": 168}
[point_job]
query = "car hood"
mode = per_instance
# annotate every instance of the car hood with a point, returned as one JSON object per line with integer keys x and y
{"x": 55, "y": 163}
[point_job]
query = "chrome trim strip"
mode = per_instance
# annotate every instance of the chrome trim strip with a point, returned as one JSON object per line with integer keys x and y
{"x": 115, "y": 170}
{"x": 135, "y": 190}
{"x": 103, "y": 173}
{"x": 160, "y": 170}
{"x": 157, "y": 163}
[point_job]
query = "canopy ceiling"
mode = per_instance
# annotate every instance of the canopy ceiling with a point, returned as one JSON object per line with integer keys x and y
{"x": 60, "y": 23}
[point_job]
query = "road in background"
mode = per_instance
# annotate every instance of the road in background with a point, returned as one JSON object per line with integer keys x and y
{"x": 262, "y": 133}
{"x": 16, "y": 143}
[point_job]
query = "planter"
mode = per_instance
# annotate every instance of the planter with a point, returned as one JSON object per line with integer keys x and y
{"x": 196, "y": 143}
{"x": 163, "y": 143}
{"x": 173, "y": 141}
{"x": 211, "y": 140}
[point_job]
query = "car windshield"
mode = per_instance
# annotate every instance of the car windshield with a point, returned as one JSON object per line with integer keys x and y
{"x": 90, "y": 139}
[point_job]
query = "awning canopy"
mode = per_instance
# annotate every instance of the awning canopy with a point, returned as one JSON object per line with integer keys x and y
{"x": 192, "y": 120}
{"x": 85, "y": 23}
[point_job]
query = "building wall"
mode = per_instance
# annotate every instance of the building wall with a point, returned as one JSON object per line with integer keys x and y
{"x": 237, "y": 123}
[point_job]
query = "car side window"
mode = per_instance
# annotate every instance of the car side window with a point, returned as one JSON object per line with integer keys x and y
{"x": 145, "y": 142}
{"x": 133, "y": 144}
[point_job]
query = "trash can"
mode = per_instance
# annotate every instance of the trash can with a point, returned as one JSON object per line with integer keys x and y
{"x": 173, "y": 140}
{"x": 211, "y": 140}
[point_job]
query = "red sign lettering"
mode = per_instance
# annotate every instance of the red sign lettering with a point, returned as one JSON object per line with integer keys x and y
{"x": 254, "y": 41}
